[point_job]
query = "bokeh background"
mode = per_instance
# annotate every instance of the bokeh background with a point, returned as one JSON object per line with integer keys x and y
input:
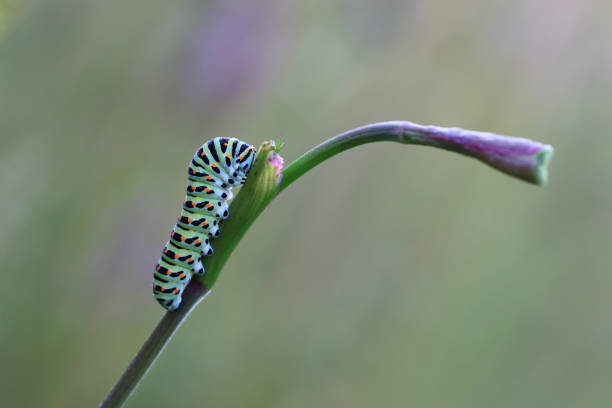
{"x": 389, "y": 276}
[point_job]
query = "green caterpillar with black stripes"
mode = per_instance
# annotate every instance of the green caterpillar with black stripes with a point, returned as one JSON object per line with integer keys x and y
{"x": 217, "y": 166}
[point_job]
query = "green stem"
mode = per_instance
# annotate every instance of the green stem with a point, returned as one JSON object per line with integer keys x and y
{"x": 256, "y": 193}
{"x": 153, "y": 346}
{"x": 518, "y": 157}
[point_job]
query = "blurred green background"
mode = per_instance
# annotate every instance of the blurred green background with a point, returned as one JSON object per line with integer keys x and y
{"x": 462, "y": 288}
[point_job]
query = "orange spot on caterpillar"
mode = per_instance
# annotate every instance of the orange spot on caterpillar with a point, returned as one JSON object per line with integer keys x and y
{"x": 197, "y": 241}
{"x": 213, "y": 164}
{"x": 207, "y": 190}
{"x": 162, "y": 289}
{"x": 165, "y": 251}
{"x": 182, "y": 275}
{"x": 182, "y": 238}
{"x": 190, "y": 260}
{"x": 227, "y": 155}
{"x": 168, "y": 273}
{"x": 225, "y": 144}
{"x": 209, "y": 178}
{"x": 176, "y": 291}
{"x": 189, "y": 220}
{"x": 176, "y": 256}
{"x": 204, "y": 224}
{"x": 157, "y": 267}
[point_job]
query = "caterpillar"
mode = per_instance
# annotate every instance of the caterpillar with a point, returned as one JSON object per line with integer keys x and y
{"x": 217, "y": 166}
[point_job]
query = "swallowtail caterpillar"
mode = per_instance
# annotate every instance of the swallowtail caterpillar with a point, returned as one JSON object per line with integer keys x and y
{"x": 217, "y": 166}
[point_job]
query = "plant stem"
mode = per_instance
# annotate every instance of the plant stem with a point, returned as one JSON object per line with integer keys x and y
{"x": 518, "y": 157}
{"x": 153, "y": 346}
{"x": 256, "y": 193}
{"x": 522, "y": 158}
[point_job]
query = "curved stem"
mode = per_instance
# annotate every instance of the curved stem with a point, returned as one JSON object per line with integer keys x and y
{"x": 517, "y": 157}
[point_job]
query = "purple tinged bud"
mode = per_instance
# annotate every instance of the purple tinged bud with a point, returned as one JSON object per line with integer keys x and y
{"x": 516, "y": 156}
{"x": 278, "y": 163}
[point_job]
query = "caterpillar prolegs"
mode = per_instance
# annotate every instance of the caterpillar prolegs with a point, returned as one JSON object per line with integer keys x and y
{"x": 216, "y": 167}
